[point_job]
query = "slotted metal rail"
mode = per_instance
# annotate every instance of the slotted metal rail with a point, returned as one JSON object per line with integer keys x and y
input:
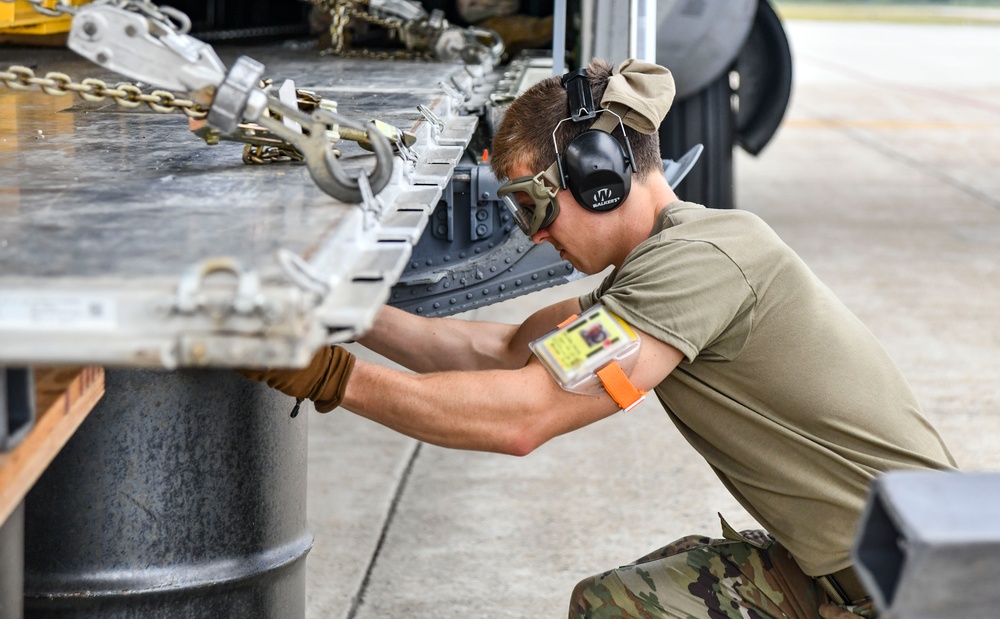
{"x": 126, "y": 240}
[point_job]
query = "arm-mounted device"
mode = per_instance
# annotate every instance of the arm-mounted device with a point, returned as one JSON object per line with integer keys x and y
{"x": 592, "y": 352}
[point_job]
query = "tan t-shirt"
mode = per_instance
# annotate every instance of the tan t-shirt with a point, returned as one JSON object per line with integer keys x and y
{"x": 788, "y": 396}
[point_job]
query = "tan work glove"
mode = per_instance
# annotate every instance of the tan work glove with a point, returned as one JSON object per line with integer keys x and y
{"x": 323, "y": 381}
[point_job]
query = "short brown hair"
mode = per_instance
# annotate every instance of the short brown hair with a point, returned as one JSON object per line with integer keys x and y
{"x": 525, "y": 133}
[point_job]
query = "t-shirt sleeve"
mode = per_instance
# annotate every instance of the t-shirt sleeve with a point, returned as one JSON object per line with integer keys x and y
{"x": 592, "y": 297}
{"x": 688, "y": 294}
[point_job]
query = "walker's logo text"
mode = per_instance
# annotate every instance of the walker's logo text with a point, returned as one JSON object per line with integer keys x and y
{"x": 603, "y": 197}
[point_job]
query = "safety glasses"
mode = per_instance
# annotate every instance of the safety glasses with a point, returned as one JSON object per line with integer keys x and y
{"x": 543, "y": 207}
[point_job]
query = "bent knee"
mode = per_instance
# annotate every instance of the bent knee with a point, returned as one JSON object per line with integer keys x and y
{"x": 596, "y": 596}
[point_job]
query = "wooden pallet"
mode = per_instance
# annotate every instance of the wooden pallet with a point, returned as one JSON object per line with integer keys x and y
{"x": 63, "y": 398}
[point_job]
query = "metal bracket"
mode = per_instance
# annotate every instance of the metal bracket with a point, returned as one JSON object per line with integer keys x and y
{"x": 431, "y": 117}
{"x": 458, "y": 96}
{"x": 191, "y": 299}
{"x": 482, "y": 198}
{"x": 370, "y": 203}
{"x": 304, "y": 276}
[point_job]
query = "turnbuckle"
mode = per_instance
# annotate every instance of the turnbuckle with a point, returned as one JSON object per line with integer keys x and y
{"x": 146, "y": 50}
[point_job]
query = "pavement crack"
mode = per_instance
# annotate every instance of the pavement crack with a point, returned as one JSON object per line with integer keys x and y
{"x": 358, "y": 600}
{"x": 917, "y": 164}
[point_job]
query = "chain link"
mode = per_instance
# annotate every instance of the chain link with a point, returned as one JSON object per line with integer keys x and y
{"x": 94, "y": 90}
{"x": 63, "y": 7}
{"x": 168, "y": 16}
{"x": 342, "y": 12}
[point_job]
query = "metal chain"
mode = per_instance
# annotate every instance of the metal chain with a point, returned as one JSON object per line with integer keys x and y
{"x": 256, "y": 154}
{"x": 343, "y": 11}
{"x": 63, "y": 7}
{"x": 170, "y": 17}
{"x": 95, "y": 90}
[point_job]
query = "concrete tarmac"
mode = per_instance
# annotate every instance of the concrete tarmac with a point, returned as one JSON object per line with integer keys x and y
{"x": 883, "y": 178}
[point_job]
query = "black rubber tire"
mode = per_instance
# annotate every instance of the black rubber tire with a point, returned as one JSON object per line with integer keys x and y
{"x": 765, "y": 68}
{"x": 708, "y": 118}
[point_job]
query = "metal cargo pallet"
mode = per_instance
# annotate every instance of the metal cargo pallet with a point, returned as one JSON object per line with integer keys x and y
{"x": 126, "y": 240}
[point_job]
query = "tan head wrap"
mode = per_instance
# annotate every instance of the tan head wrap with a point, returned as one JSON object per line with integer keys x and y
{"x": 645, "y": 89}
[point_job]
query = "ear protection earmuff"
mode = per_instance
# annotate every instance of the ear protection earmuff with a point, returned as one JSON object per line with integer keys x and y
{"x": 594, "y": 167}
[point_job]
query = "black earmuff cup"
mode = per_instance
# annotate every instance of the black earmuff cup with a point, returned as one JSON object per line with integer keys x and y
{"x": 597, "y": 171}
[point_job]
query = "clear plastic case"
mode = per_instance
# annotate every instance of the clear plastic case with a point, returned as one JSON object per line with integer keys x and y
{"x": 575, "y": 352}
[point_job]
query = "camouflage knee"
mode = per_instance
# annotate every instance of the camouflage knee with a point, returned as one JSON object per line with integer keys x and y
{"x": 604, "y": 597}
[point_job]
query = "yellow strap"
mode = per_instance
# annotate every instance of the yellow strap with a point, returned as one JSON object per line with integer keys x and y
{"x": 619, "y": 387}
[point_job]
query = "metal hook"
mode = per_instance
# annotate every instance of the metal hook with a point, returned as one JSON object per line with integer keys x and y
{"x": 324, "y": 167}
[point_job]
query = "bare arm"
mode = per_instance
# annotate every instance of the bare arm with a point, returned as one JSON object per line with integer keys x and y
{"x": 441, "y": 344}
{"x": 506, "y": 411}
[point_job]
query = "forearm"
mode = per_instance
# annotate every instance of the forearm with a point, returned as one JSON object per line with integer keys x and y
{"x": 442, "y": 344}
{"x": 503, "y": 411}
{"x": 439, "y": 344}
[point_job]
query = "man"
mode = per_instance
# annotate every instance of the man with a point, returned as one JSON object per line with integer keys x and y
{"x": 783, "y": 391}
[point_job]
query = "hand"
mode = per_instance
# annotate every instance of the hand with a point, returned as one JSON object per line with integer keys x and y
{"x": 323, "y": 381}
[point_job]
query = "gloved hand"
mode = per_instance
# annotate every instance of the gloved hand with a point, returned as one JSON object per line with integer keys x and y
{"x": 323, "y": 381}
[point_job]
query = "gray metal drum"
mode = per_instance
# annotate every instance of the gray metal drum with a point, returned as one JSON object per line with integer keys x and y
{"x": 182, "y": 495}
{"x": 12, "y": 563}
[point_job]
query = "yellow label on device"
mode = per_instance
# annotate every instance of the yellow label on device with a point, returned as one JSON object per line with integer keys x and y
{"x": 583, "y": 345}
{"x": 573, "y": 346}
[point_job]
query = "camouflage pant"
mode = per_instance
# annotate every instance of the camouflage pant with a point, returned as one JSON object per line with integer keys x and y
{"x": 746, "y": 576}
